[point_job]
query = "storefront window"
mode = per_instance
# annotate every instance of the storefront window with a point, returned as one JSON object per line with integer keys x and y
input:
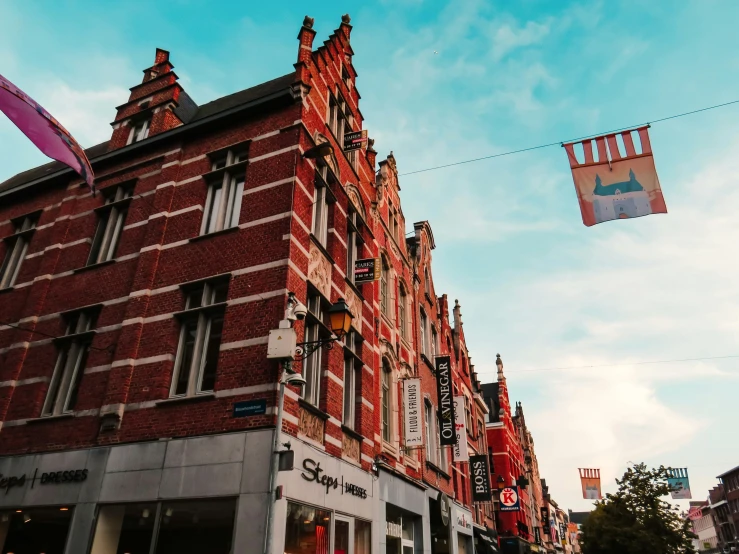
{"x": 35, "y": 530}
{"x": 175, "y": 527}
{"x": 341, "y": 538}
{"x": 362, "y": 537}
{"x": 307, "y": 530}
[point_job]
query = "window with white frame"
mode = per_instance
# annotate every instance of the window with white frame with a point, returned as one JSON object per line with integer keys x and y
{"x": 226, "y": 193}
{"x": 423, "y": 325}
{"x": 402, "y": 311}
{"x": 426, "y": 281}
{"x": 434, "y": 341}
{"x": 352, "y": 369}
{"x": 200, "y": 338}
{"x": 16, "y": 246}
{"x": 429, "y": 422}
{"x": 353, "y": 242}
{"x": 384, "y": 287}
{"x": 468, "y": 415}
{"x": 386, "y": 400}
{"x": 393, "y": 217}
{"x": 339, "y": 118}
{"x": 139, "y": 131}
{"x": 443, "y": 462}
{"x": 111, "y": 217}
{"x": 315, "y": 329}
{"x": 70, "y": 363}
{"x": 322, "y": 197}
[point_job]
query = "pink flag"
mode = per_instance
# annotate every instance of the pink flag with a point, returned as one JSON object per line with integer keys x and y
{"x": 44, "y": 130}
{"x": 617, "y": 185}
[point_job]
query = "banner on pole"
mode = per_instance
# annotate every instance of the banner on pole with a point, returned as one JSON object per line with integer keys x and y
{"x": 460, "y": 431}
{"x": 44, "y": 130}
{"x": 679, "y": 483}
{"x": 412, "y": 405}
{"x": 590, "y": 480}
{"x": 616, "y": 186}
{"x": 480, "y": 477}
{"x": 446, "y": 406}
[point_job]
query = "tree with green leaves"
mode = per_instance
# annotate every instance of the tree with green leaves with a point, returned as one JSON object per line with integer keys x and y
{"x": 636, "y": 519}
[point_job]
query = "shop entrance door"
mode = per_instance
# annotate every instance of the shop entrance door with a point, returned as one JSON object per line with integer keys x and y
{"x": 343, "y": 533}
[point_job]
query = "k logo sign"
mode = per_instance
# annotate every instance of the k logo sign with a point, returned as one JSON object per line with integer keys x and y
{"x": 509, "y": 501}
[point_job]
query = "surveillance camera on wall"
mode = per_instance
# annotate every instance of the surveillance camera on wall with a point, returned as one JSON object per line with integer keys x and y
{"x": 299, "y": 310}
{"x": 296, "y": 380}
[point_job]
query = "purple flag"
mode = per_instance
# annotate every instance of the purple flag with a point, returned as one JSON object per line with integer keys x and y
{"x": 44, "y": 130}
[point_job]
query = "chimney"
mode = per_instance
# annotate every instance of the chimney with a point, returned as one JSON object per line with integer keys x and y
{"x": 345, "y": 28}
{"x": 371, "y": 152}
{"x": 306, "y": 36}
{"x": 457, "y": 316}
{"x": 156, "y": 105}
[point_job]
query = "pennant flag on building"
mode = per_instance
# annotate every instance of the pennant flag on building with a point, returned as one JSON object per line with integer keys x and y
{"x": 679, "y": 483}
{"x": 590, "y": 480}
{"x": 613, "y": 182}
{"x": 44, "y": 130}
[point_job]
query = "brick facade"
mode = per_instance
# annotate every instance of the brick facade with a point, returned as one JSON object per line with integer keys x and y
{"x": 124, "y": 391}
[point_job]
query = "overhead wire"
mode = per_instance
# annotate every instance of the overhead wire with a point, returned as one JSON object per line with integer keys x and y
{"x": 561, "y": 142}
{"x": 623, "y": 364}
{"x": 53, "y": 337}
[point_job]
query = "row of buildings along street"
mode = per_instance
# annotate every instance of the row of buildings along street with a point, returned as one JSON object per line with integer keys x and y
{"x": 244, "y": 260}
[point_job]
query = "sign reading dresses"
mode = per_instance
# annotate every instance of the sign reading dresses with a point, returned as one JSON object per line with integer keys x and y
{"x": 509, "y": 501}
{"x": 480, "y": 475}
{"x": 460, "y": 430}
{"x": 616, "y": 186}
{"x": 448, "y": 436}
{"x": 366, "y": 271}
{"x": 44, "y": 130}
{"x": 412, "y": 405}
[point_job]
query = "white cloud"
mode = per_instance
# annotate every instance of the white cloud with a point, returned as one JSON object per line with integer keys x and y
{"x": 508, "y": 38}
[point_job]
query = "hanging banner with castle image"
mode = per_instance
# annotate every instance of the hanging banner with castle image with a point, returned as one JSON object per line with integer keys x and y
{"x": 679, "y": 483}
{"x": 590, "y": 480}
{"x": 611, "y": 185}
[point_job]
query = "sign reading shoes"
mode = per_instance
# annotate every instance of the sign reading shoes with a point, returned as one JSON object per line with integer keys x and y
{"x": 312, "y": 472}
{"x": 46, "y": 478}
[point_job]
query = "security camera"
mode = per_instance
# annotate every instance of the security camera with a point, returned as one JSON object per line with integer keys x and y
{"x": 299, "y": 310}
{"x": 295, "y": 379}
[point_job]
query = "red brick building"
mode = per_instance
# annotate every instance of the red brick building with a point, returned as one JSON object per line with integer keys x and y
{"x": 134, "y": 328}
{"x": 514, "y": 527}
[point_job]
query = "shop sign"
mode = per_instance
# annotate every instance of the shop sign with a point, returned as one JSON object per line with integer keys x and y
{"x": 537, "y": 535}
{"x": 312, "y": 473}
{"x": 394, "y": 530}
{"x": 463, "y": 520}
{"x": 509, "y": 501}
{"x": 460, "y": 430}
{"x": 445, "y": 507}
{"x": 250, "y": 407}
{"x": 46, "y": 478}
{"x": 367, "y": 270}
{"x": 446, "y": 406}
{"x": 480, "y": 476}
{"x": 354, "y": 140}
{"x": 411, "y": 404}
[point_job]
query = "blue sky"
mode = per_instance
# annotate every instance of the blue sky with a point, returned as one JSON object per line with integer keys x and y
{"x": 534, "y": 283}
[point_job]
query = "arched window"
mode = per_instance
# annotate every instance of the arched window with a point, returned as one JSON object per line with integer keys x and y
{"x": 386, "y": 380}
{"x": 402, "y": 319}
{"x": 384, "y": 292}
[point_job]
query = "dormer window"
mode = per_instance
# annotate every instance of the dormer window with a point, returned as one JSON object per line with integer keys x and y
{"x": 346, "y": 77}
{"x": 139, "y": 131}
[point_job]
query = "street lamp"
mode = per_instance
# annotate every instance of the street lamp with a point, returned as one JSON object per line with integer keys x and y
{"x": 500, "y": 482}
{"x": 340, "y": 321}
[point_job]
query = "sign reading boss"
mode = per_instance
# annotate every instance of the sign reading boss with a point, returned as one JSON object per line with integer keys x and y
{"x": 481, "y": 491}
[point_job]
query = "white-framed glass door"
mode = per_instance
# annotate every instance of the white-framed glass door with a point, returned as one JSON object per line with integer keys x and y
{"x": 343, "y": 535}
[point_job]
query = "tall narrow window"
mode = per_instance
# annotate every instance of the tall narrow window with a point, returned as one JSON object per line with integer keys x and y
{"x": 200, "y": 338}
{"x": 429, "y": 420}
{"x": 352, "y": 367}
{"x": 386, "y": 380}
{"x": 423, "y": 324}
{"x": 315, "y": 329}
{"x": 402, "y": 306}
{"x": 339, "y": 118}
{"x": 16, "y": 247}
{"x": 433, "y": 342}
{"x": 426, "y": 281}
{"x": 353, "y": 243}
{"x": 321, "y": 197}
{"x": 70, "y": 363}
{"x": 384, "y": 290}
{"x": 225, "y": 194}
{"x": 139, "y": 131}
{"x": 111, "y": 217}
